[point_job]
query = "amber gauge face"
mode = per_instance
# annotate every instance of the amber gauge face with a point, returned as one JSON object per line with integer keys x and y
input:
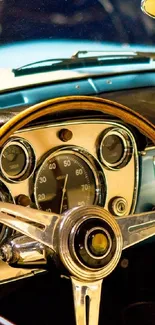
{"x": 112, "y": 149}
{"x": 17, "y": 160}
{"x": 65, "y": 180}
{"x": 13, "y": 160}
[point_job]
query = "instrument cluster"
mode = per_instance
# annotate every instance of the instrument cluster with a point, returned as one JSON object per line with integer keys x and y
{"x": 60, "y": 166}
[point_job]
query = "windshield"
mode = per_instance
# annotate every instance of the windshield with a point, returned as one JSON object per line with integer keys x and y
{"x": 118, "y": 21}
{"x": 37, "y": 30}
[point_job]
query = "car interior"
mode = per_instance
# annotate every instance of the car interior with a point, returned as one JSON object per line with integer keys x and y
{"x": 77, "y": 162}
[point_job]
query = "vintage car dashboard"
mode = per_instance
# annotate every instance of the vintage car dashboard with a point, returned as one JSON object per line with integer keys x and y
{"x": 56, "y": 164}
{"x": 60, "y": 166}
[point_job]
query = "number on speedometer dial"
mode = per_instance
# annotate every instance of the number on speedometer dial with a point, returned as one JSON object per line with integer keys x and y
{"x": 65, "y": 179}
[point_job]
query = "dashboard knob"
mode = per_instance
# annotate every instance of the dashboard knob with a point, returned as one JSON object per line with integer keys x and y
{"x": 23, "y": 200}
{"x": 119, "y": 206}
{"x": 65, "y": 135}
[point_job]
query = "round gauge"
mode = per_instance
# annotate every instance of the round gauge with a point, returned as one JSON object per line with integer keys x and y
{"x": 16, "y": 160}
{"x": 66, "y": 179}
{"x": 5, "y": 196}
{"x": 115, "y": 149}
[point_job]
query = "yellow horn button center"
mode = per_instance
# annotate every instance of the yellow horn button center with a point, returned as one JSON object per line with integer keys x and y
{"x": 99, "y": 243}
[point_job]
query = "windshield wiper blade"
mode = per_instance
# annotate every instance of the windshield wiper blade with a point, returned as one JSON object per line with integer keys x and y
{"x": 77, "y": 62}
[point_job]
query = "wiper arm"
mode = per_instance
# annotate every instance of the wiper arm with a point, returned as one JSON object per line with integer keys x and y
{"x": 150, "y": 55}
{"x": 77, "y": 62}
{"x": 78, "y": 54}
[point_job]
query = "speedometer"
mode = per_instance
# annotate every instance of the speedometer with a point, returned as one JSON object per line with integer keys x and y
{"x": 66, "y": 179}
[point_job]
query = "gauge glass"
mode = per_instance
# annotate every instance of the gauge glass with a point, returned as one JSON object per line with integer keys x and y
{"x": 112, "y": 148}
{"x": 65, "y": 179}
{"x": 13, "y": 160}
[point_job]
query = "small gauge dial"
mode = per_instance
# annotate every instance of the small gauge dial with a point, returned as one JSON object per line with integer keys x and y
{"x": 16, "y": 160}
{"x": 13, "y": 160}
{"x": 66, "y": 179}
{"x": 115, "y": 148}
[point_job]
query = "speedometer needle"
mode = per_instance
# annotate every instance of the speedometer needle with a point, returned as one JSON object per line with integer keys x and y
{"x": 63, "y": 192}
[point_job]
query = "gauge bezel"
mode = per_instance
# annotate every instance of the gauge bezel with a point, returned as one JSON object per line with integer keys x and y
{"x": 30, "y": 158}
{"x": 90, "y": 160}
{"x": 128, "y": 148}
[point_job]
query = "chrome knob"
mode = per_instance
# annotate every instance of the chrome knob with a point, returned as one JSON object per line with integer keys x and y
{"x": 119, "y": 206}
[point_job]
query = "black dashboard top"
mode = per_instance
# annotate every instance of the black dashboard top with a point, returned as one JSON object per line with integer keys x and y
{"x": 140, "y": 100}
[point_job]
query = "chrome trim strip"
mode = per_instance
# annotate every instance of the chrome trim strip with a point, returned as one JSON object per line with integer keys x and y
{"x": 150, "y": 148}
{"x": 16, "y": 275}
{"x": 70, "y": 122}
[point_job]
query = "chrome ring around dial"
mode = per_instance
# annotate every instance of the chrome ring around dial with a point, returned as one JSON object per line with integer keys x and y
{"x": 69, "y": 177}
{"x": 17, "y": 160}
{"x": 115, "y": 148}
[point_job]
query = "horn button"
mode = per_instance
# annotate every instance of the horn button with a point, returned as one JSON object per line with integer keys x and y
{"x": 95, "y": 243}
{"x": 90, "y": 242}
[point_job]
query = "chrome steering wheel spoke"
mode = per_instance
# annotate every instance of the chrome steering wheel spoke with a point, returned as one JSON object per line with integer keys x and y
{"x": 88, "y": 241}
{"x": 137, "y": 228}
{"x": 86, "y": 301}
{"x": 36, "y": 224}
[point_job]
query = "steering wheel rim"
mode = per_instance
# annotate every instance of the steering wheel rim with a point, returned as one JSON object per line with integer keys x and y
{"x": 80, "y": 103}
{"x": 81, "y": 289}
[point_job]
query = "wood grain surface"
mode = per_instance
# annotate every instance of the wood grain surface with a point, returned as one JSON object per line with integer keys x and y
{"x": 87, "y": 103}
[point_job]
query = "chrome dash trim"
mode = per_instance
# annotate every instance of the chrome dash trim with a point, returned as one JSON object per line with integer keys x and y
{"x": 149, "y": 148}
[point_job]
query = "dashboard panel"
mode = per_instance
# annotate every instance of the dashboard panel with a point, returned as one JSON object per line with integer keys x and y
{"x": 55, "y": 167}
